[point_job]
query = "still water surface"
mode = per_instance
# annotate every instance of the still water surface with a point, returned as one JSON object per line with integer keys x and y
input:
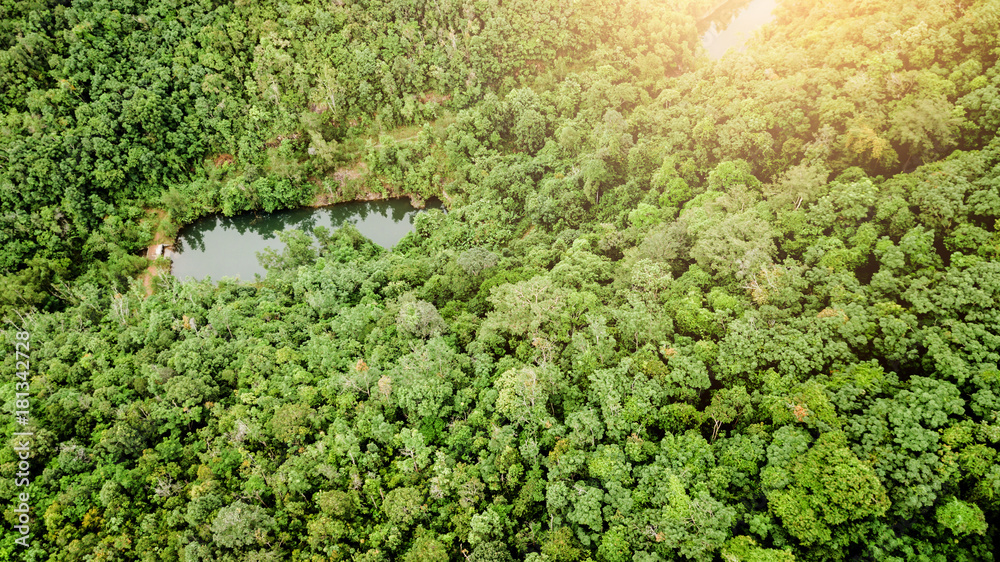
{"x": 218, "y": 246}
{"x": 733, "y": 23}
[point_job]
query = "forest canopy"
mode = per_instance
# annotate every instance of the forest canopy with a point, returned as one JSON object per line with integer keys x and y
{"x": 744, "y": 309}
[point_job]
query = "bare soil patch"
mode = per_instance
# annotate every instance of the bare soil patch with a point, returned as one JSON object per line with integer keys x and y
{"x": 157, "y": 267}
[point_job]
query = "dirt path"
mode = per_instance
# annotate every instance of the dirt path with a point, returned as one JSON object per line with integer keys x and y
{"x": 153, "y": 270}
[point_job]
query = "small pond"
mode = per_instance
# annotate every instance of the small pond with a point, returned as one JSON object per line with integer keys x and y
{"x": 218, "y": 246}
{"x": 729, "y": 26}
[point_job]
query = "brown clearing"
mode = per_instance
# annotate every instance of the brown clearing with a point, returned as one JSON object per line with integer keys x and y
{"x": 158, "y": 238}
{"x": 223, "y": 159}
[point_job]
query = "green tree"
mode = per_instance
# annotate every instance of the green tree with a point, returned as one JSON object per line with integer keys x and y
{"x": 240, "y": 524}
{"x": 814, "y": 487}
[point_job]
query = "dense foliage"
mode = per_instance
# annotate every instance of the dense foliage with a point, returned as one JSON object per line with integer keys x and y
{"x": 679, "y": 309}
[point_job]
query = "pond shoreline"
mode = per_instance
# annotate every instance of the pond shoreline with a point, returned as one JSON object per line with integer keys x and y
{"x": 162, "y": 251}
{"x": 218, "y": 246}
{"x": 322, "y": 200}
